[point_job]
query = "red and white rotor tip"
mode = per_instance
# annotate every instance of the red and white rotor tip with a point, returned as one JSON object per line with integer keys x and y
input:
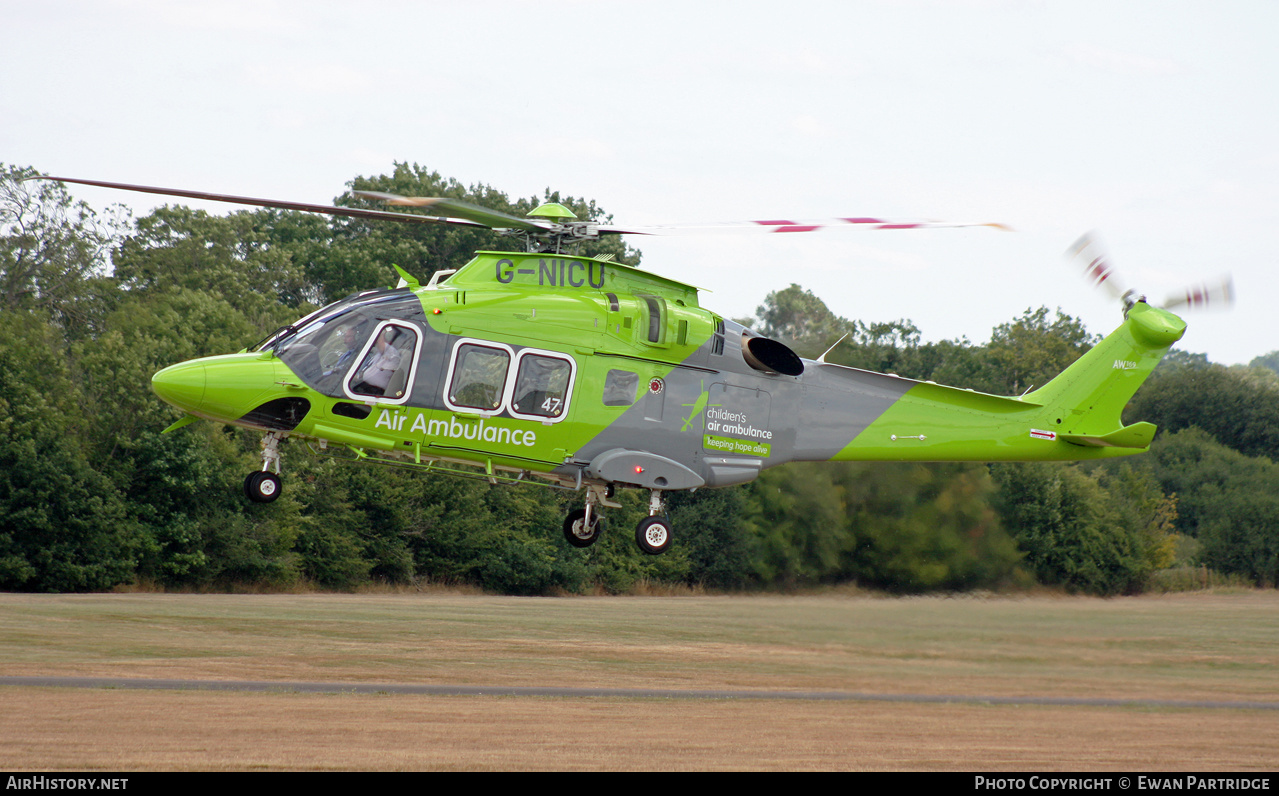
{"x": 1212, "y": 294}
{"x": 1088, "y": 254}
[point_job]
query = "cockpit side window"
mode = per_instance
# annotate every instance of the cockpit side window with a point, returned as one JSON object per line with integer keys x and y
{"x": 325, "y": 348}
{"x": 386, "y": 365}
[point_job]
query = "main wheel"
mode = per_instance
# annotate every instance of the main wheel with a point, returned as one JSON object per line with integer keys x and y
{"x": 262, "y": 487}
{"x": 576, "y": 532}
{"x": 653, "y": 535}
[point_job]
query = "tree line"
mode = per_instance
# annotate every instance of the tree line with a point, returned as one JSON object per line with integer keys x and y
{"x": 92, "y": 495}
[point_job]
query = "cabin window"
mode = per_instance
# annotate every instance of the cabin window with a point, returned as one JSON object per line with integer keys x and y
{"x": 386, "y": 364}
{"x": 478, "y": 379}
{"x": 620, "y": 387}
{"x": 542, "y": 384}
{"x": 490, "y": 377}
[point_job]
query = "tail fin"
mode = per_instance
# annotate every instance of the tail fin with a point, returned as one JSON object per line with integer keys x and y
{"x": 1086, "y": 400}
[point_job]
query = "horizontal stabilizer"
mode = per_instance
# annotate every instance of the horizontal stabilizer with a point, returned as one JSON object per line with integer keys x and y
{"x": 1138, "y": 435}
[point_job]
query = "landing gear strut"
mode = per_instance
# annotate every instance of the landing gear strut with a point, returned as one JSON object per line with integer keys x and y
{"x": 583, "y": 526}
{"x": 653, "y": 534}
{"x": 263, "y": 486}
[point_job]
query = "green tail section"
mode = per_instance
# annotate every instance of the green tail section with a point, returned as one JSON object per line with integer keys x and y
{"x": 1075, "y": 416}
{"x": 1138, "y": 435}
{"x": 1085, "y": 401}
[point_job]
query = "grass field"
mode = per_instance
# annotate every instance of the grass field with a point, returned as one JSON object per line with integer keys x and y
{"x": 1203, "y": 646}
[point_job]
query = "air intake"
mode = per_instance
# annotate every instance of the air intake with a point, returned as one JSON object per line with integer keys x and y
{"x": 770, "y": 356}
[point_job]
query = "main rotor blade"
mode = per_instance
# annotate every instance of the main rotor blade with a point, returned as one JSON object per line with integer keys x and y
{"x": 465, "y": 214}
{"x": 783, "y": 225}
{"x": 495, "y": 219}
{"x": 332, "y": 210}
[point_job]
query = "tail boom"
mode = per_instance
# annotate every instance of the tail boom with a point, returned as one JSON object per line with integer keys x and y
{"x": 1076, "y": 416}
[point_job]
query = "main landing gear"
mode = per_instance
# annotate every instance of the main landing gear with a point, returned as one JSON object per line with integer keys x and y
{"x": 263, "y": 486}
{"x": 653, "y": 533}
{"x": 583, "y": 526}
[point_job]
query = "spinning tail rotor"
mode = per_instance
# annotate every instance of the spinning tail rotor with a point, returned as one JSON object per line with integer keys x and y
{"x": 1089, "y": 255}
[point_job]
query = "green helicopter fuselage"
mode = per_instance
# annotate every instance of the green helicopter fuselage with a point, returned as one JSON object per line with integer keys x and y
{"x": 586, "y": 371}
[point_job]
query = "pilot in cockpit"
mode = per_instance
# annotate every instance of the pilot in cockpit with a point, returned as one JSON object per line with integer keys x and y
{"x": 379, "y": 365}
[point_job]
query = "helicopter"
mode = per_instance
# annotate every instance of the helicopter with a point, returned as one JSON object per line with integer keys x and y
{"x": 586, "y": 374}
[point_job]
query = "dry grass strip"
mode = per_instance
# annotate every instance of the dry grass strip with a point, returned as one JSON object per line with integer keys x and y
{"x": 65, "y": 729}
{"x": 1222, "y": 647}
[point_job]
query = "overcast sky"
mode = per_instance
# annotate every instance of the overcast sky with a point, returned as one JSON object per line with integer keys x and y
{"x": 1156, "y": 124}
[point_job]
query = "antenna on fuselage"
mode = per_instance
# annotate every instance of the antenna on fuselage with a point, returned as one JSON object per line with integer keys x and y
{"x": 822, "y": 358}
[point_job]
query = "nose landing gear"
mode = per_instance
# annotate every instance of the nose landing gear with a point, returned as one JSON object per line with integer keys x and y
{"x": 263, "y": 486}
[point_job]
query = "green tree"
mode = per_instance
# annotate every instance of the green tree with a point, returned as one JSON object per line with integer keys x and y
{"x": 796, "y": 518}
{"x": 801, "y": 320}
{"x": 1082, "y": 530}
{"x": 959, "y": 363}
{"x": 1229, "y": 502}
{"x": 923, "y": 527}
{"x": 176, "y": 250}
{"x": 1238, "y": 406}
{"x": 63, "y": 525}
{"x": 712, "y": 535}
{"x": 1270, "y": 361}
{"x": 1031, "y": 350}
{"x": 53, "y": 252}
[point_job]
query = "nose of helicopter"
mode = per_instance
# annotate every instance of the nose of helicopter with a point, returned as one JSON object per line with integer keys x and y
{"x": 218, "y": 388}
{"x": 181, "y": 385}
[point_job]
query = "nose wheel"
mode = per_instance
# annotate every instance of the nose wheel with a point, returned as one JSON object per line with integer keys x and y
{"x": 263, "y": 486}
